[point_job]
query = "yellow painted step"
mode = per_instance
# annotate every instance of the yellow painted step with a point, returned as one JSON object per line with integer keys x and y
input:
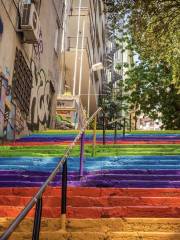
{"x": 145, "y": 236}
{"x": 100, "y": 236}
{"x": 47, "y": 224}
{"x": 125, "y": 224}
{"x": 100, "y": 229}
{"x": 103, "y": 225}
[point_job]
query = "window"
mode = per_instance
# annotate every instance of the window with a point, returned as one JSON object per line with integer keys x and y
{"x": 22, "y": 82}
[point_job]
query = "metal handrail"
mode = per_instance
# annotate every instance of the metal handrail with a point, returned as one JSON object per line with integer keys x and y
{"x": 117, "y": 120}
{"x": 38, "y": 195}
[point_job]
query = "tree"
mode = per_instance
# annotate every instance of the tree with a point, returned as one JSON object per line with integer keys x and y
{"x": 153, "y": 94}
{"x": 111, "y": 100}
{"x": 152, "y": 27}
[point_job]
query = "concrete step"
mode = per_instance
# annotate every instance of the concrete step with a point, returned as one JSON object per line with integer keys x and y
{"x": 127, "y": 211}
{"x": 101, "y": 229}
{"x": 124, "y": 225}
{"x": 84, "y": 201}
{"x": 151, "y": 177}
{"x": 103, "y": 225}
{"x": 128, "y": 183}
{"x": 47, "y": 224}
{"x": 93, "y": 192}
{"x": 99, "y": 236}
{"x": 98, "y": 212}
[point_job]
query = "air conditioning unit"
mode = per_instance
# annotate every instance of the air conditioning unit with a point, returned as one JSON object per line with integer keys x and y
{"x": 30, "y": 23}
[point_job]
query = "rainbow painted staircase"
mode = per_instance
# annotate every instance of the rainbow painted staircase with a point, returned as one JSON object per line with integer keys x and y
{"x": 129, "y": 191}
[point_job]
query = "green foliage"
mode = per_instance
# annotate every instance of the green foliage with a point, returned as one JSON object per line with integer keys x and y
{"x": 152, "y": 29}
{"x": 111, "y": 101}
{"x": 153, "y": 93}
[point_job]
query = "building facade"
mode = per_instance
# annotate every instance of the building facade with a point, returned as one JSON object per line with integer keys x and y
{"x": 82, "y": 58}
{"x": 30, "y": 46}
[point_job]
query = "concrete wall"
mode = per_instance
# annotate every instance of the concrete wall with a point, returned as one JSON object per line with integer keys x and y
{"x": 42, "y": 59}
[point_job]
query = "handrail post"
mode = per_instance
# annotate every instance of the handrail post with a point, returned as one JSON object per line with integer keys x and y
{"x": 104, "y": 129}
{"x": 64, "y": 196}
{"x": 37, "y": 220}
{"x": 82, "y": 154}
{"x": 124, "y": 127}
{"x": 130, "y": 123}
{"x": 115, "y": 132}
{"x": 37, "y": 199}
{"x": 94, "y": 136}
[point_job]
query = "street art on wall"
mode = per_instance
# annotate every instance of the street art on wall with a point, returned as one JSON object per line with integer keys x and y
{"x": 41, "y": 95}
{"x": 1, "y": 26}
{"x": 38, "y": 47}
{"x": 32, "y": 93}
{"x": 7, "y": 109}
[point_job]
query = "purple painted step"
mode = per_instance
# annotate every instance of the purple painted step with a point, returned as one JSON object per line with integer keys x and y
{"x": 33, "y": 178}
{"x": 113, "y": 178}
{"x": 98, "y": 177}
{"x": 131, "y": 184}
{"x": 75, "y": 173}
{"x": 34, "y": 184}
{"x": 33, "y": 173}
{"x": 112, "y": 184}
{"x": 151, "y": 177}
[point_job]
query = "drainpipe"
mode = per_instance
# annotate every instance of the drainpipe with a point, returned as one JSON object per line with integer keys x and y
{"x": 81, "y": 64}
{"x": 77, "y": 43}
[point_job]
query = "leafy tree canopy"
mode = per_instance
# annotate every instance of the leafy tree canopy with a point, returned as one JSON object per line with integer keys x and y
{"x": 152, "y": 27}
{"x": 153, "y": 94}
{"x": 111, "y": 100}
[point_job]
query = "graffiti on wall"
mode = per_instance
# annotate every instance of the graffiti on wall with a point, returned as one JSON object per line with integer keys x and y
{"x": 41, "y": 95}
{"x": 19, "y": 121}
{"x": 7, "y": 109}
{"x": 1, "y": 26}
{"x": 38, "y": 47}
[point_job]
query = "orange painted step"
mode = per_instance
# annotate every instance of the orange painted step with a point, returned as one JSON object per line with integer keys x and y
{"x": 94, "y": 192}
{"x": 95, "y": 202}
{"x": 100, "y": 212}
{"x": 84, "y": 201}
{"x": 130, "y": 211}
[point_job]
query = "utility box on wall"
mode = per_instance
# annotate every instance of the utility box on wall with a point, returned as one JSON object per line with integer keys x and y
{"x": 30, "y": 23}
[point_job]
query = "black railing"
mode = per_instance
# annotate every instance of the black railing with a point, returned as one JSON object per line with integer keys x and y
{"x": 37, "y": 199}
{"x": 122, "y": 123}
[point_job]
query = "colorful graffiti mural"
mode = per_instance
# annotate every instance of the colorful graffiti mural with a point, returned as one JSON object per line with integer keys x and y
{"x": 41, "y": 95}
{"x": 7, "y": 109}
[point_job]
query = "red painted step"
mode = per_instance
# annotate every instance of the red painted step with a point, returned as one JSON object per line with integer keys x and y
{"x": 94, "y": 192}
{"x": 99, "y": 212}
{"x": 103, "y": 201}
{"x": 95, "y": 202}
{"x": 130, "y": 211}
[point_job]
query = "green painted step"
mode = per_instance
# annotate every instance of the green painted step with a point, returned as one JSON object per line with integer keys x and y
{"x": 114, "y": 150}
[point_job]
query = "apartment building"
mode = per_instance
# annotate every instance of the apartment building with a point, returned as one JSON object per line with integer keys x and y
{"x": 82, "y": 61}
{"x": 119, "y": 61}
{"x": 30, "y": 40}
